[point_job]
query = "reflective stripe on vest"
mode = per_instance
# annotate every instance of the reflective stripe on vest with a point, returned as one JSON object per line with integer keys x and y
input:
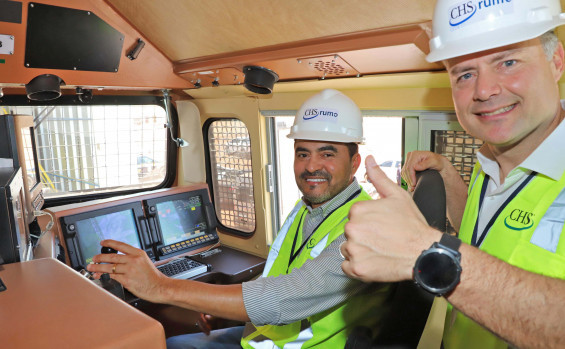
{"x": 327, "y": 329}
{"x": 526, "y": 234}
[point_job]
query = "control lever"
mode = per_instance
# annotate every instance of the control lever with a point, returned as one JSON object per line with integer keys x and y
{"x": 108, "y": 283}
{"x": 106, "y": 250}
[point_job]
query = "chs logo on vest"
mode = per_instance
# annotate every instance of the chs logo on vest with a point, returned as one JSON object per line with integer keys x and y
{"x": 464, "y": 11}
{"x": 311, "y": 244}
{"x": 519, "y": 220}
{"x": 325, "y": 114}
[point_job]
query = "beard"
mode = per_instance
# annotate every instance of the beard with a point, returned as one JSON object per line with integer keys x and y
{"x": 326, "y": 195}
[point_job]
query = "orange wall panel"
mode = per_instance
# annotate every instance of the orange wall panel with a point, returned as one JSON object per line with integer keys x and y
{"x": 151, "y": 70}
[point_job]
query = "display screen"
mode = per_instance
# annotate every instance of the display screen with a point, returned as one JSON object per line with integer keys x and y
{"x": 117, "y": 226}
{"x": 181, "y": 219}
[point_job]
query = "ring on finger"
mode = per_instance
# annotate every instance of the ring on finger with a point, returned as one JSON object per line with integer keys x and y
{"x": 114, "y": 269}
{"x": 341, "y": 254}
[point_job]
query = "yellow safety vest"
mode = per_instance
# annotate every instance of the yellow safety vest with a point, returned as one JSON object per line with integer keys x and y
{"x": 330, "y": 328}
{"x": 525, "y": 234}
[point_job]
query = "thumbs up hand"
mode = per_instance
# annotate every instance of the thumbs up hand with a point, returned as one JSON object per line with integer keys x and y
{"x": 385, "y": 236}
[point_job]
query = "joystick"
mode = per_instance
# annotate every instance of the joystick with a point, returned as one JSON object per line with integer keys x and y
{"x": 108, "y": 283}
{"x": 106, "y": 250}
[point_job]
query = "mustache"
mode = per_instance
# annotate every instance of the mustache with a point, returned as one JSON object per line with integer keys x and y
{"x": 317, "y": 173}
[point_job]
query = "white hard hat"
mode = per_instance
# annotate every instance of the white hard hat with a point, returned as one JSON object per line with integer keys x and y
{"x": 328, "y": 116}
{"x": 462, "y": 27}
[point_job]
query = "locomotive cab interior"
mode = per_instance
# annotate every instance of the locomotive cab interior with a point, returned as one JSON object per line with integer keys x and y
{"x": 165, "y": 122}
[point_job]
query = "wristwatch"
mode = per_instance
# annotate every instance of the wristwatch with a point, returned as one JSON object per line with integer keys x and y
{"x": 438, "y": 269}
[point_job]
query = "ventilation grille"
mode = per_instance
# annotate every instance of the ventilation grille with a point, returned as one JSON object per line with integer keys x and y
{"x": 460, "y": 148}
{"x": 329, "y": 66}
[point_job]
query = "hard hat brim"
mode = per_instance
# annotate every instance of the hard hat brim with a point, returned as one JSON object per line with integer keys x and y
{"x": 492, "y": 39}
{"x": 324, "y": 136}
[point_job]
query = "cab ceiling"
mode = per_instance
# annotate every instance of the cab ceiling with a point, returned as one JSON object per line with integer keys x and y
{"x": 300, "y": 40}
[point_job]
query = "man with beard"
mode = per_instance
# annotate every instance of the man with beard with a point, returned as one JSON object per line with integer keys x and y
{"x": 303, "y": 297}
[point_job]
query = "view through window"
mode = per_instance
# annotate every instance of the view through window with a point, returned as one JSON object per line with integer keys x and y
{"x": 88, "y": 149}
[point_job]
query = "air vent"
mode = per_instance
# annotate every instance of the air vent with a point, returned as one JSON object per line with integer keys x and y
{"x": 329, "y": 66}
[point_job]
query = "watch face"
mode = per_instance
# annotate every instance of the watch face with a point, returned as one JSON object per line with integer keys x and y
{"x": 437, "y": 272}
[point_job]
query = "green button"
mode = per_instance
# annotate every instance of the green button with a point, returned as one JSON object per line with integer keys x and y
{"x": 2, "y": 61}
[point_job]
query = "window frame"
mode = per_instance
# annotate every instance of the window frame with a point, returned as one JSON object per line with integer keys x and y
{"x": 72, "y": 100}
{"x": 209, "y": 181}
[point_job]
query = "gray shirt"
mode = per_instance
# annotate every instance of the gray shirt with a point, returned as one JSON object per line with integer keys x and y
{"x": 317, "y": 285}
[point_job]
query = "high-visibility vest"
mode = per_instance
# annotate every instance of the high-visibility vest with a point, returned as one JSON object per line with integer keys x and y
{"x": 525, "y": 234}
{"x": 330, "y": 328}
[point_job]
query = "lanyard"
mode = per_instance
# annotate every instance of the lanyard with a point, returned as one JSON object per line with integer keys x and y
{"x": 293, "y": 256}
{"x": 474, "y": 241}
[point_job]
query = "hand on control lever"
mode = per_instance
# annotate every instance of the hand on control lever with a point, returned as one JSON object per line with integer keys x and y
{"x": 106, "y": 250}
{"x": 106, "y": 282}
{"x": 133, "y": 269}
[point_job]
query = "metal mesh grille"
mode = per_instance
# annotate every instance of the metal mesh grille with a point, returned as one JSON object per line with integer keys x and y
{"x": 232, "y": 177}
{"x": 330, "y": 68}
{"x": 460, "y": 148}
{"x": 98, "y": 148}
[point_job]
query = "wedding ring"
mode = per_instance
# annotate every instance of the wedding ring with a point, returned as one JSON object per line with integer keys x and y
{"x": 341, "y": 254}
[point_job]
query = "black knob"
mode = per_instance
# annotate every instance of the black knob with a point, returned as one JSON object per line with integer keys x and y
{"x": 106, "y": 250}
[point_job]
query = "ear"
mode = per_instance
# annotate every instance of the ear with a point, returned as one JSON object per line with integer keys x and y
{"x": 558, "y": 62}
{"x": 355, "y": 163}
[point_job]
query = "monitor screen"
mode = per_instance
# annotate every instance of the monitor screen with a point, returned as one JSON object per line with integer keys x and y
{"x": 15, "y": 243}
{"x": 119, "y": 226}
{"x": 181, "y": 219}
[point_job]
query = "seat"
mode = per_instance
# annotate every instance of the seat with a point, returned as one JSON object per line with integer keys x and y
{"x": 410, "y": 305}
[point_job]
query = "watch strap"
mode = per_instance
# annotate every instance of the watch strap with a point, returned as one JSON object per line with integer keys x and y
{"x": 450, "y": 242}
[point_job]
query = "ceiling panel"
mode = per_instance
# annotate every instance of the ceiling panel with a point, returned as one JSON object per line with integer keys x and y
{"x": 185, "y": 29}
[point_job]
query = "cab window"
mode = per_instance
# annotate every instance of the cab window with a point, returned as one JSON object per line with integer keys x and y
{"x": 230, "y": 174}
{"x": 94, "y": 149}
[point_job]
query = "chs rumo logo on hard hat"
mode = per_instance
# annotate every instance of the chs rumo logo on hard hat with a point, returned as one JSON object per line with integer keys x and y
{"x": 320, "y": 114}
{"x": 462, "y": 27}
{"x": 328, "y": 116}
{"x": 466, "y": 10}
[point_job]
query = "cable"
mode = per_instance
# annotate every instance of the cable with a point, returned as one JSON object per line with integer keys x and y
{"x": 47, "y": 227}
{"x": 217, "y": 244}
{"x": 167, "y": 99}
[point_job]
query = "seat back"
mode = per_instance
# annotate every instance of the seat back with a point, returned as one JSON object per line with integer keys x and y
{"x": 429, "y": 196}
{"x": 410, "y": 305}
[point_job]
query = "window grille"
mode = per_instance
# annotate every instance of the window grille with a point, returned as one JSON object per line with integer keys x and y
{"x": 98, "y": 148}
{"x": 460, "y": 148}
{"x": 232, "y": 177}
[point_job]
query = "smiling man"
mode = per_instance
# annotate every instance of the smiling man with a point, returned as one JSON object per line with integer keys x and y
{"x": 503, "y": 274}
{"x": 319, "y": 169}
{"x": 303, "y": 298}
